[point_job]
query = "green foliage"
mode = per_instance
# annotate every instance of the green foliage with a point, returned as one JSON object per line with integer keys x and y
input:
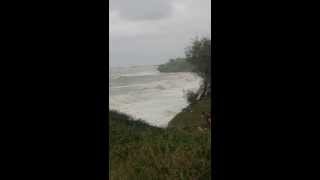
{"x": 191, "y": 116}
{"x": 198, "y": 54}
{"x": 139, "y": 151}
{"x": 176, "y": 65}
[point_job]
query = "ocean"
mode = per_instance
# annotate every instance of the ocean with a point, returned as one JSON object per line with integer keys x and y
{"x": 144, "y": 93}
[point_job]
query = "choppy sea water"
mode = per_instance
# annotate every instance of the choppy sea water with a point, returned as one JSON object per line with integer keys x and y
{"x": 144, "y": 93}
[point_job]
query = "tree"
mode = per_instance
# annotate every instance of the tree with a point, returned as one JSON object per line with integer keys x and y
{"x": 198, "y": 54}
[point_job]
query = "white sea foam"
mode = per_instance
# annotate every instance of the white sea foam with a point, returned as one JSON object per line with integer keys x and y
{"x": 149, "y": 95}
{"x": 140, "y": 74}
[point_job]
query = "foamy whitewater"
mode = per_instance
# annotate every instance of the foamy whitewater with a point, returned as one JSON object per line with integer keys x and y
{"x": 144, "y": 93}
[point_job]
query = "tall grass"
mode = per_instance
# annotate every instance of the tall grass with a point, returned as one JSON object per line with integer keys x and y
{"x": 139, "y": 151}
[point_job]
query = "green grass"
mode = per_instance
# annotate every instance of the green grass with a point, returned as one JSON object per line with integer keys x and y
{"x": 139, "y": 151}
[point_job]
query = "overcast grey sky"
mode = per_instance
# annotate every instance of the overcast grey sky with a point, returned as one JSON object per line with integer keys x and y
{"x": 145, "y": 32}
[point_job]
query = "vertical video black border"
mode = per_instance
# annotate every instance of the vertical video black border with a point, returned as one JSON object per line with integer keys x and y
{"x": 102, "y": 125}
{"x": 217, "y": 101}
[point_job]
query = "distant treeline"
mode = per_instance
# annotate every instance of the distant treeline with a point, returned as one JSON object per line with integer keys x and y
{"x": 176, "y": 65}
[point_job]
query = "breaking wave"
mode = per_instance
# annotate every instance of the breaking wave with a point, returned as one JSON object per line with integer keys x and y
{"x": 144, "y": 93}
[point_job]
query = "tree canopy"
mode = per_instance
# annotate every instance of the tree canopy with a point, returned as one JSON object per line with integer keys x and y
{"x": 199, "y": 55}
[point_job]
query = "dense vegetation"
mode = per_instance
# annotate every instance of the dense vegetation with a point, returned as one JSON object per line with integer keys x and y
{"x": 176, "y": 65}
{"x": 199, "y": 55}
{"x": 181, "y": 151}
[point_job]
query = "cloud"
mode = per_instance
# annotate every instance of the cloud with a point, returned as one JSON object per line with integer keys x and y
{"x": 154, "y": 41}
{"x": 142, "y": 9}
